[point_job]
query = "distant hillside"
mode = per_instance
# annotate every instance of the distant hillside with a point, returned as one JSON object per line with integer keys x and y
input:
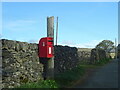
{"x": 85, "y": 49}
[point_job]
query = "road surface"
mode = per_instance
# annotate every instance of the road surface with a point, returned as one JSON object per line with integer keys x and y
{"x": 103, "y": 77}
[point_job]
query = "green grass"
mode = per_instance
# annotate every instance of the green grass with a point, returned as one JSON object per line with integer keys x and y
{"x": 65, "y": 79}
{"x": 40, "y": 84}
{"x": 61, "y": 80}
{"x": 103, "y": 61}
{"x": 86, "y": 66}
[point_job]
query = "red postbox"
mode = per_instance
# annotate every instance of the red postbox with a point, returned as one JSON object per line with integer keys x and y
{"x": 46, "y": 47}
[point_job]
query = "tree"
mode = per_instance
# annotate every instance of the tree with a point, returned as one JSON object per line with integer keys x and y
{"x": 106, "y": 45}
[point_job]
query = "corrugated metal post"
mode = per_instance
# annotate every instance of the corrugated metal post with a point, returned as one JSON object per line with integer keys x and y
{"x": 50, "y": 62}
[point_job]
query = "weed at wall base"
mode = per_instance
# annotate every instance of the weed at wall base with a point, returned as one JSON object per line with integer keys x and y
{"x": 65, "y": 79}
{"x": 103, "y": 61}
{"x": 40, "y": 84}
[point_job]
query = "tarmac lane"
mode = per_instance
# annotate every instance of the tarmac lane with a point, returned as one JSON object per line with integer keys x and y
{"x": 103, "y": 77}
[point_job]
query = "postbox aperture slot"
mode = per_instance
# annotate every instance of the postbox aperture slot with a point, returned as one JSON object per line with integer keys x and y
{"x": 50, "y": 40}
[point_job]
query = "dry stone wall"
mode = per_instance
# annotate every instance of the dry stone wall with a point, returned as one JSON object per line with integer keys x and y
{"x": 90, "y": 56}
{"x": 98, "y": 54}
{"x": 66, "y": 58}
{"x": 21, "y": 64}
{"x": 84, "y": 55}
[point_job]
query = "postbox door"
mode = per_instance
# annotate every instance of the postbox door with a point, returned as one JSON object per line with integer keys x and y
{"x": 43, "y": 47}
{"x": 46, "y": 47}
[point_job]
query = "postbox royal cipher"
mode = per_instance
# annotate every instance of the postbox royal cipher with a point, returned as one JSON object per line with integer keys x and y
{"x": 46, "y": 47}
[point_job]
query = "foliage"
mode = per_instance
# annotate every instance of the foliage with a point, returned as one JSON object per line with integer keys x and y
{"x": 66, "y": 78}
{"x": 40, "y": 84}
{"x": 103, "y": 61}
{"x": 61, "y": 80}
{"x": 106, "y": 45}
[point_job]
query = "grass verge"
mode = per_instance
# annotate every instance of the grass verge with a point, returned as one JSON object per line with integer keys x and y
{"x": 67, "y": 78}
{"x": 40, "y": 84}
{"x": 103, "y": 61}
